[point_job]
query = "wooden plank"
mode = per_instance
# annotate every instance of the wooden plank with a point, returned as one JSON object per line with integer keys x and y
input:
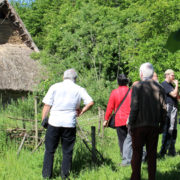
{"x": 40, "y": 143}
{"x": 21, "y": 145}
{"x": 22, "y": 119}
{"x": 93, "y": 138}
{"x": 36, "y": 121}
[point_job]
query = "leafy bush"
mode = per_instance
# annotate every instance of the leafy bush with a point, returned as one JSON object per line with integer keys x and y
{"x": 101, "y": 39}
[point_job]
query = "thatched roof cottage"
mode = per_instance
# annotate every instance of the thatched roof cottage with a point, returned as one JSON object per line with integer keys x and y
{"x": 19, "y": 74}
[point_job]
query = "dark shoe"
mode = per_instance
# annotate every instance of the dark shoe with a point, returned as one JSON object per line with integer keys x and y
{"x": 172, "y": 154}
{"x": 47, "y": 178}
{"x": 63, "y": 177}
{"x": 161, "y": 155}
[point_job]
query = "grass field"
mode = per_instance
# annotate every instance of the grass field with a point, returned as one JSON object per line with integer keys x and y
{"x": 28, "y": 166}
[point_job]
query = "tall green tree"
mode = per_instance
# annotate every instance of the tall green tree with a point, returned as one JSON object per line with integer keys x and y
{"x": 101, "y": 39}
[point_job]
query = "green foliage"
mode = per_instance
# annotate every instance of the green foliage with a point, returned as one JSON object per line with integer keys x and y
{"x": 13, "y": 114}
{"x": 21, "y": 108}
{"x": 101, "y": 39}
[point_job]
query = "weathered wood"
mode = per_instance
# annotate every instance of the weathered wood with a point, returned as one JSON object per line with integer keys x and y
{"x": 23, "y": 26}
{"x": 36, "y": 121}
{"x": 27, "y": 41}
{"x": 21, "y": 145}
{"x": 19, "y": 129}
{"x": 99, "y": 121}
{"x": 93, "y": 138}
{"x": 21, "y": 119}
{"x": 90, "y": 123}
{"x": 90, "y": 150}
{"x": 103, "y": 115}
{"x": 23, "y": 34}
{"x": 16, "y": 23}
{"x": 83, "y": 133}
{"x": 40, "y": 143}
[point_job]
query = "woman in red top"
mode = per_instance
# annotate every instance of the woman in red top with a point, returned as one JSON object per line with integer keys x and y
{"x": 122, "y": 115}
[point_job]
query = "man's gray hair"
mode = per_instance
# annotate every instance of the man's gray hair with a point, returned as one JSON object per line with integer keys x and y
{"x": 146, "y": 70}
{"x": 70, "y": 74}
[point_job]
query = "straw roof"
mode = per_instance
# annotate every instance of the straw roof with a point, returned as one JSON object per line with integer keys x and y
{"x": 17, "y": 70}
{"x": 10, "y": 14}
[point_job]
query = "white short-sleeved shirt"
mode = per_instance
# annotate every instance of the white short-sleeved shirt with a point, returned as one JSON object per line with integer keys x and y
{"x": 65, "y": 97}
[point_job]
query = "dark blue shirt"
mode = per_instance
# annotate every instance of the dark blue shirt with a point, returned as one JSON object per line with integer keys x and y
{"x": 168, "y": 87}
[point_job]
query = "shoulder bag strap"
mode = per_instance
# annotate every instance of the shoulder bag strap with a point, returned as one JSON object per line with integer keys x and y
{"x": 122, "y": 101}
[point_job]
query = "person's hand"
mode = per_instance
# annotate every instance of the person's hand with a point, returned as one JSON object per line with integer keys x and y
{"x": 78, "y": 112}
{"x": 170, "y": 131}
{"x": 175, "y": 82}
{"x": 134, "y": 83}
{"x": 105, "y": 123}
{"x": 129, "y": 129}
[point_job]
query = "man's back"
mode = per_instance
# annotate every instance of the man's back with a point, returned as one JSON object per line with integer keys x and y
{"x": 148, "y": 100}
{"x": 65, "y": 98}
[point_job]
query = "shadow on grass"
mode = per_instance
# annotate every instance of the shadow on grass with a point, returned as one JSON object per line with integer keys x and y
{"x": 83, "y": 161}
{"x": 173, "y": 174}
{"x": 169, "y": 175}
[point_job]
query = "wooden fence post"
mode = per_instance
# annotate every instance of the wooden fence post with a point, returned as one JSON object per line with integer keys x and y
{"x": 99, "y": 122}
{"x": 93, "y": 129}
{"x": 23, "y": 122}
{"x": 21, "y": 145}
{"x": 103, "y": 114}
{"x": 36, "y": 121}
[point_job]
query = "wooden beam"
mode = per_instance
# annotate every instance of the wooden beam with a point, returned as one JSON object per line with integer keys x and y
{"x": 21, "y": 145}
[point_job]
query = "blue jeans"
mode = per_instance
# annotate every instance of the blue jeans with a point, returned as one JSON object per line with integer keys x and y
{"x": 127, "y": 151}
{"x": 67, "y": 137}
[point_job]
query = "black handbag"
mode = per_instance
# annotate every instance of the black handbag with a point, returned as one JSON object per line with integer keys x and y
{"x": 45, "y": 122}
{"x": 111, "y": 121}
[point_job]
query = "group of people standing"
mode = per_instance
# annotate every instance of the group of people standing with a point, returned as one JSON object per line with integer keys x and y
{"x": 150, "y": 108}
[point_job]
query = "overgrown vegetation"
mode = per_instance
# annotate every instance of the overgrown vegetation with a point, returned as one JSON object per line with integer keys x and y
{"x": 99, "y": 39}
{"x": 103, "y": 38}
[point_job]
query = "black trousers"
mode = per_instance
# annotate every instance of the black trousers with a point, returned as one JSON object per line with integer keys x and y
{"x": 144, "y": 136}
{"x": 53, "y": 136}
{"x": 122, "y": 133}
{"x": 169, "y": 134}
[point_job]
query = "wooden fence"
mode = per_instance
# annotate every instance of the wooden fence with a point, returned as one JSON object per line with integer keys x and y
{"x": 35, "y": 135}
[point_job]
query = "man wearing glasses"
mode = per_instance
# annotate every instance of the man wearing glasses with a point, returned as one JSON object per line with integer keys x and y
{"x": 170, "y": 129}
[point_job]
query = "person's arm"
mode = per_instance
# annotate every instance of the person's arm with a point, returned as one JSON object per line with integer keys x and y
{"x": 45, "y": 111}
{"x": 109, "y": 109}
{"x": 85, "y": 108}
{"x": 174, "y": 93}
{"x": 163, "y": 111}
{"x": 134, "y": 106}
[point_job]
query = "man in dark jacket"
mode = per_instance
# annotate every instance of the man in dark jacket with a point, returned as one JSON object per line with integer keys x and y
{"x": 170, "y": 129}
{"x": 146, "y": 120}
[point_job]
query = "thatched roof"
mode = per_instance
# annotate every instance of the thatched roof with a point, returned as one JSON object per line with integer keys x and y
{"x": 7, "y": 12}
{"x": 17, "y": 70}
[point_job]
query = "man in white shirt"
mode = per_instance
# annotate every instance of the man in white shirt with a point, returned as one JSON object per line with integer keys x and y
{"x": 63, "y": 102}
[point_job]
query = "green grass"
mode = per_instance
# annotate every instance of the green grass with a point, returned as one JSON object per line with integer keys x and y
{"x": 28, "y": 166}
